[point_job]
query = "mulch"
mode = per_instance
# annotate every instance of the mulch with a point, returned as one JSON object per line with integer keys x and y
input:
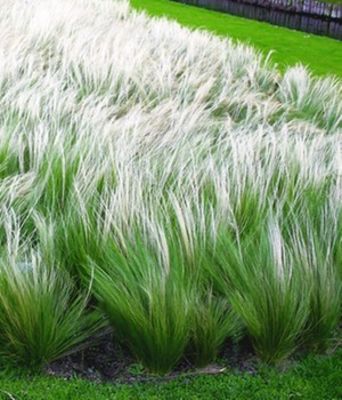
{"x": 107, "y": 361}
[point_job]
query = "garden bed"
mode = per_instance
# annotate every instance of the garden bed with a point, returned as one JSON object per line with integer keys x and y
{"x": 166, "y": 184}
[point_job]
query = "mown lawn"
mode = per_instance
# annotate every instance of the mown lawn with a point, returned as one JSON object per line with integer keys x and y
{"x": 322, "y": 54}
{"x": 316, "y": 378}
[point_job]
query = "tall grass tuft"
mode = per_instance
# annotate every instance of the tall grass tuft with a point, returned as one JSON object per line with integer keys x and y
{"x": 319, "y": 269}
{"x": 42, "y": 317}
{"x": 265, "y": 288}
{"x": 147, "y": 297}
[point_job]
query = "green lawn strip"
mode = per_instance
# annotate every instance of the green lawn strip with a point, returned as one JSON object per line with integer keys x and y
{"x": 315, "y": 378}
{"x": 322, "y": 54}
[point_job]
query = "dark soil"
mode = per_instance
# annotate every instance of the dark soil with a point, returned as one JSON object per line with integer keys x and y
{"x": 106, "y": 360}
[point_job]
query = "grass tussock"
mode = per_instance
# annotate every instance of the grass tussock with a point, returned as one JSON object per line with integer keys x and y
{"x": 42, "y": 316}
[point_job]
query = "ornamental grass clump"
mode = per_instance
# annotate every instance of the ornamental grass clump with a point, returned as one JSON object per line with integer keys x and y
{"x": 265, "y": 288}
{"x": 148, "y": 297}
{"x": 42, "y": 316}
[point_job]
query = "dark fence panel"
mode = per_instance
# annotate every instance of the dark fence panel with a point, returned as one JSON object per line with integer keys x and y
{"x": 305, "y": 15}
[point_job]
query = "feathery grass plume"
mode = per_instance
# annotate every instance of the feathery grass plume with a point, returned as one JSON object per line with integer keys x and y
{"x": 308, "y": 98}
